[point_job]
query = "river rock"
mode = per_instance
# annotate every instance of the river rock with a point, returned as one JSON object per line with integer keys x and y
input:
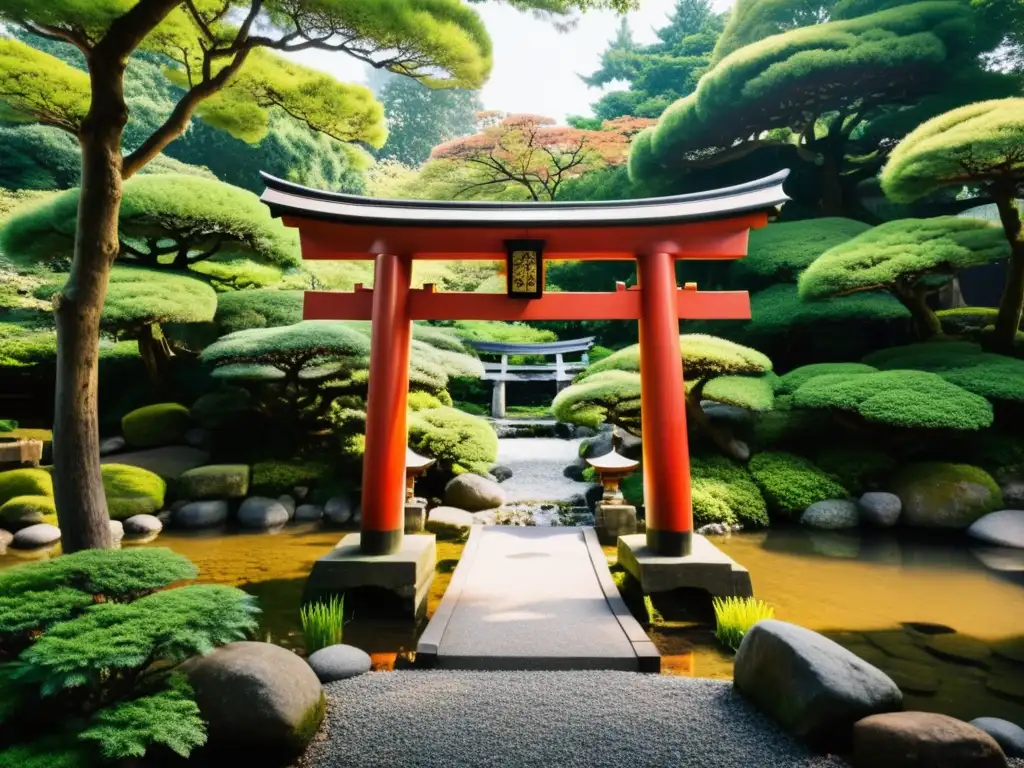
{"x": 922, "y": 740}
{"x": 201, "y": 514}
{"x": 288, "y": 503}
{"x": 1004, "y": 528}
{"x": 112, "y": 445}
{"x": 473, "y": 493}
{"x": 500, "y": 473}
{"x": 308, "y": 513}
{"x": 941, "y": 495}
{"x": 574, "y": 472}
{"x": 812, "y": 686}
{"x": 36, "y": 536}
{"x": 338, "y": 662}
{"x": 880, "y": 509}
{"x": 1013, "y": 494}
{"x": 449, "y": 522}
{"x": 832, "y": 514}
{"x": 338, "y": 510}
{"x": 1009, "y": 736}
{"x": 258, "y": 699}
{"x": 6, "y": 537}
{"x": 262, "y": 513}
{"x": 142, "y": 525}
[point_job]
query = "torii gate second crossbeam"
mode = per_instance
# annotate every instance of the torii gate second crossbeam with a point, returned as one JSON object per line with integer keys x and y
{"x": 655, "y": 232}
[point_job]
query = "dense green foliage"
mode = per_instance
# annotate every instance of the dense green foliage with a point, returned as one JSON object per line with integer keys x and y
{"x": 724, "y": 492}
{"x": 792, "y": 381}
{"x": 323, "y": 623}
{"x": 132, "y": 491}
{"x": 258, "y": 308}
{"x": 792, "y": 483}
{"x": 459, "y": 441}
{"x": 273, "y": 478}
{"x": 153, "y": 425}
{"x": 734, "y": 616}
{"x": 96, "y": 634}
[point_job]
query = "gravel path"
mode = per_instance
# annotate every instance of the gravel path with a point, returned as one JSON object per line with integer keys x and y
{"x": 452, "y": 719}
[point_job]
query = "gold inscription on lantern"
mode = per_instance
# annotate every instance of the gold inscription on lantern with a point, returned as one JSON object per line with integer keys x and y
{"x": 523, "y": 277}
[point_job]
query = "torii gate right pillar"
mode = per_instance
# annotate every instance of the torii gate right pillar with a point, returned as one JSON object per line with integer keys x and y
{"x": 666, "y": 462}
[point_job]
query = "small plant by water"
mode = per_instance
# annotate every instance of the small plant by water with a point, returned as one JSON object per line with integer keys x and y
{"x": 735, "y": 616}
{"x": 323, "y": 623}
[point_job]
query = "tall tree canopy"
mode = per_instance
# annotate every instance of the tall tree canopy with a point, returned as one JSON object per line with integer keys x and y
{"x": 978, "y": 145}
{"x": 817, "y": 88}
{"x": 225, "y": 58}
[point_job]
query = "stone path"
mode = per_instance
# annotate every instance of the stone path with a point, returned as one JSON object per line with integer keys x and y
{"x": 534, "y": 598}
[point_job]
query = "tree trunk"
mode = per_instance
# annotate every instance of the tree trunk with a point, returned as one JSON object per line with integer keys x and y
{"x": 725, "y": 442}
{"x": 926, "y": 322}
{"x": 155, "y": 352}
{"x": 77, "y": 483}
{"x": 1012, "y": 302}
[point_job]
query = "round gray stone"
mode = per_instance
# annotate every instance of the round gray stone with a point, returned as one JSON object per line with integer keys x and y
{"x": 142, "y": 525}
{"x": 308, "y": 513}
{"x": 338, "y": 510}
{"x": 337, "y": 662}
{"x": 111, "y": 445}
{"x": 36, "y": 536}
{"x": 831, "y": 515}
{"x": 1003, "y": 529}
{"x": 473, "y": 493}
{"x": 880, "y": 509}
{"x": 201, "y": 514}
{"x": 261, "y": 513}
{"x": 1008, "y": 735}
{"x": 288, "y": 503}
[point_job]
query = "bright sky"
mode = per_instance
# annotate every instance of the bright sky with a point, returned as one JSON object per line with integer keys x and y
{"x": 536, "y": 68}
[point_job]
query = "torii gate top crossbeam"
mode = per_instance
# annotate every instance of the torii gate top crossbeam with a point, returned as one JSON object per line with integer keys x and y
{"x": 704, "y": 225}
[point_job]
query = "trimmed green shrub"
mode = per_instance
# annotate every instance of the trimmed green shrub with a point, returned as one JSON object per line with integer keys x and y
{"x": 719, "y": 483}
{"x": 470, "y": 408}
{"x": 22, "y": 511}
{"x": 274, "y": 478}
{"x": 215, "y": 409}
{"x": 791, "y": 483}
{"x": 97, "y": 633}
{"x": 155, "y": 425}
{"x": 903, "y": 399}
{"x": 967, "y": 321}
{"x": 132, "y": 491}
{"x": 858, "y": 468}
{"x": 25, "y": 482}
{"x": 459, "y": 441}
{"x": 214, "y": 481}
{"x": 789, "y": 383}
{"x": 421, "y": 401}
{"x": 257, "y": 308}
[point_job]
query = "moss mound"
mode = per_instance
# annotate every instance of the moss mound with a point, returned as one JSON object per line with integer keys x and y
{"x": 23, "y": 511}
{"x": 792, "y": 381}
{"x": 25, "y": 482}
{"x": 155, "y": 425}
{"x": 791, "y": 483}
{"x": 944, "y": 495}
{"x": 215, "y": 481}
{"x": 132, "y": 491}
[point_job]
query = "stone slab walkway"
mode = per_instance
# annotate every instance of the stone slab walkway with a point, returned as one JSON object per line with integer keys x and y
{"x": 534, "y": 598}
{"x": 459, "y": 719}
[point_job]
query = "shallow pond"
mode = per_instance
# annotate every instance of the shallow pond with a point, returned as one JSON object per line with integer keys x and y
{"x": 880, "y": 596}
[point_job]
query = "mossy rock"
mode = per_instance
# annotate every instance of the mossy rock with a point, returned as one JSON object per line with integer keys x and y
{"x": 25, "y": 482}
{"x": 912, "y": 676}
{"x": 156, "y": 425}
{"x": 941, "y": 495}
{"x": 23, "y": 511}
{"x": 132, "y": 491}
{"x": 900, "y": 645}
{"x": 1007, "y": 685}
{"x": 959, "y": 648}
{"x": 215, "y": 481}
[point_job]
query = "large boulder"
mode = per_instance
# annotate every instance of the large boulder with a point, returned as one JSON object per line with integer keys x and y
{"x": 880, "y": 509}
{"x": 261, "y": 513}
{"x": 1004, "y": 528}
{"x": 215, "y": 481}
{"x": 449, "y": 522}
{"x": 941, "y": 495}
{"x": 1009, "y": 736}
{"x": 338, "y": 662}
{"x": 201, "y": 514}
{"x": 258, "y": 699}
{"x": 339, "y": 509}
{"x": 833, "y": 514}
{"x": 36, "y": 537}
{"x": 473, "y": 493}
{"x": 812, "y": 686}
{"x": 922, "y": 740}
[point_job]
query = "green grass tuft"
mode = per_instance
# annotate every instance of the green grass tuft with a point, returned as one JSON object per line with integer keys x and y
{"x": 323, "y": 623}
{"x": 735, "y": 616}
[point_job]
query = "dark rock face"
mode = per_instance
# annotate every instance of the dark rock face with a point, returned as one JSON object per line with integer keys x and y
{"x": 258, "y": 699}
{"x": 922, "y": 740}
{"x": 813, "y": 687}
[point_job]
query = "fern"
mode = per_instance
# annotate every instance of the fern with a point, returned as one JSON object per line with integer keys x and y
{"x": 46, "y": 753}
{"x": 20, "y": 613}
{"x": 169, "y": 717}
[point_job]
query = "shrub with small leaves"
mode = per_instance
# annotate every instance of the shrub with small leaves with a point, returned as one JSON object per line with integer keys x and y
{"x": 91, "y": 643}
{"x": 792, "y": 483}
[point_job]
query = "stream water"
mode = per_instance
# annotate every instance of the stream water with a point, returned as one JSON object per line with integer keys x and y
{"x": 537, "y": 464}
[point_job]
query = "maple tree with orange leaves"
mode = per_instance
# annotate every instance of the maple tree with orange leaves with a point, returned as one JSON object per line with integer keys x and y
{"x": 528, "y": 151}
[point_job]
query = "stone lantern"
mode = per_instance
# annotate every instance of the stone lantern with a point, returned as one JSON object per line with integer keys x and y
{"x": 613, "y": 517}
{"x": 415, "y": 509}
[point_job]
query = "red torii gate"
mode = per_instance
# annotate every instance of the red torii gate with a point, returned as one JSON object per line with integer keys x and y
{"x": 654, "y": 231}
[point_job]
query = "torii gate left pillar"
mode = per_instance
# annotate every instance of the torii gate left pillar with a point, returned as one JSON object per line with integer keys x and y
{"x": 655, "y": 233}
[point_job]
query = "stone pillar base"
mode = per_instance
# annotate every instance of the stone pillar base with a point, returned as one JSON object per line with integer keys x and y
{"x": 389, "y": 585}
{"x": 707, "y": 568}
{"x": 614, "y": 519}
{"x": 415, "y": 516}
